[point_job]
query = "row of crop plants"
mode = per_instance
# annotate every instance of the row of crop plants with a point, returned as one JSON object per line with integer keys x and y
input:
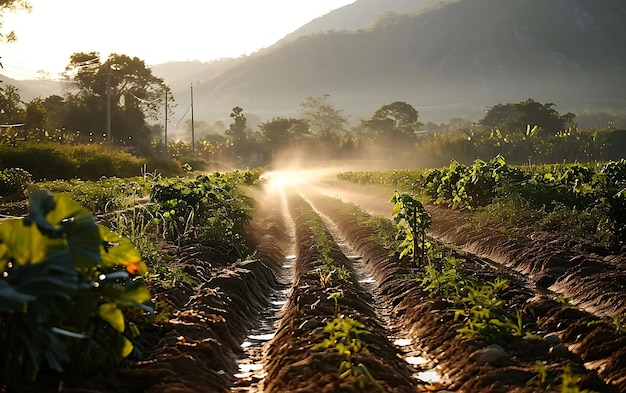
{"x": 586, "y": 200}
{"x": 477, "y": 298}
{"x": 75, "y": 286}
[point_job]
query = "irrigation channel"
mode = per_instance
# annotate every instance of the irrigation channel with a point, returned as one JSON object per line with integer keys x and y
{"x": 409, "y": 339}
{"x": 323, "y": 306}
{"x": 269, "y": 346}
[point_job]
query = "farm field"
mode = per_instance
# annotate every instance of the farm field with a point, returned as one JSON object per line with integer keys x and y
{"x": 323, "y": 302}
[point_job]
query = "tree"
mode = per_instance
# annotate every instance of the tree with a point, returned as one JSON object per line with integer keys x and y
{"x": 56, "y": 112}
{"x": 12, "y": 6}
{"x": 394, "y": 123}
{"x": 36, "y": 119}
{"x": 11, "y": 106}
{"x": 324, "y": 119}
{"x": 135, "y": 95}
{"x": 516, "y": 119}
{"x": 237, "y": 132}
{"x": 281, "y": 132}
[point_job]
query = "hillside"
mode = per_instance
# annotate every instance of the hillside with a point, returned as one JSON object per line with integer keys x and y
{"x": 447, "y": 61}
{"x": 446, "y": 58}
{"x": 359, "y": 15}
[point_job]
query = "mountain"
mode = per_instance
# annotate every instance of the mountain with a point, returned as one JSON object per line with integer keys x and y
{"x": 35, "y": 88}
{"x": 360, "y": 15}
{"x": 447, "y": 60}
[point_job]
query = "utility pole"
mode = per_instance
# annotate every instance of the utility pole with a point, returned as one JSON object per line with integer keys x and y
{"x": 193, "y": 139}
{"x": 166, "y": 124}
{"x": 109, "y": 106}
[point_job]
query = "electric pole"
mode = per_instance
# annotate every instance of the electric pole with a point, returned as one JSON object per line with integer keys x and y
{"x": 192, "y": 126}
{"x": 166, "y": 124}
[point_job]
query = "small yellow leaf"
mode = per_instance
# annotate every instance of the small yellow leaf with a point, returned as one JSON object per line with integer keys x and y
{"x": 113, "y": 315}
{"x": 127, "y": 348}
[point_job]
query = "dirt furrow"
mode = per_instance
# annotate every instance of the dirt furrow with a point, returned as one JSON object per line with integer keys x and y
{"x": 431, "y": 322}
{"x": 317, "y": 299}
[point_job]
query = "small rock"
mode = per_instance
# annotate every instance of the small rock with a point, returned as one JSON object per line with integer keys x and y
{"x": 561, "y": 351}
{"x": 491, "y": 354}
{"x": 552, "y": 339}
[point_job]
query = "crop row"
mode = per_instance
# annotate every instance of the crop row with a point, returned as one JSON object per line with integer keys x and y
{"x": 74, "y": 291}
{"x": 461, "y": 308}
{"x": 589, "y": 199}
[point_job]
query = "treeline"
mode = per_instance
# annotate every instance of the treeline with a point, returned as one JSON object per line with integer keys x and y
{"x": 523, "y": 132}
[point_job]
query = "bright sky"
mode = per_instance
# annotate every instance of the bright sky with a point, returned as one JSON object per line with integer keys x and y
{"x": 156, "y": 31}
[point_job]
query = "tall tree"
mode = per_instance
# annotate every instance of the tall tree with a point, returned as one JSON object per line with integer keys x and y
{"x": 123, "y": 82}
{"x": 237, "y": 132}
{"x": 393, "y": 123}
{"x": 325, "y": 120}
{"x": 11, "y": 106}
{"x": 515, "y": 119}
{"x": 280, "y": 132}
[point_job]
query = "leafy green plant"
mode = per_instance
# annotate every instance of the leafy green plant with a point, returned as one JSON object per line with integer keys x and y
{"x": 568, "y": 380}
{"x": 412, "y": 222}
{"x": 447, "y": 281}
{"x": 64, "y": 286}
{"x": 13, "y": 182}
{"x": 210, "y": 208}
{"x": 325, "y": 245}
{"x": 344, "y": 336}
{"x": 542, "y": 380}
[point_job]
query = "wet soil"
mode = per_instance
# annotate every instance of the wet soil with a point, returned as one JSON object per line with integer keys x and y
{"x": 197, "y": 347}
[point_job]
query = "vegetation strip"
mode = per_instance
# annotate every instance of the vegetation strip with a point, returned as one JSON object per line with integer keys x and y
{"x": 440, "y": 339}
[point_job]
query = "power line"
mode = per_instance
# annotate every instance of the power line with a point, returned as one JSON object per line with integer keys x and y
{"x": 183, "y": 116}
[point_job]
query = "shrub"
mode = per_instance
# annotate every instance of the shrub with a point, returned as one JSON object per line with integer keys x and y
{"x": 53, "y": 161}
{"x": 13, "y": 182}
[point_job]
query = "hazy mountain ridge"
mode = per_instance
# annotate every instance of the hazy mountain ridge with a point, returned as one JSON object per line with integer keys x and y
{"x": 359, "y": 15}
{"x": 447, "y": 59}
{"x": 477, "y": 52}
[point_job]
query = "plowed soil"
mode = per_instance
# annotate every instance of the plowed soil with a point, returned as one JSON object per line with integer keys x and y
{"x": 198, "y": 347}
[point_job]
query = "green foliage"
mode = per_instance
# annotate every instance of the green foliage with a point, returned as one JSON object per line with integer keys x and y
{"x": 583, "y": 200}
{"x": 566, "y": 379}
{"x": 324, "y": 119}
{"x": 412, "y": 222}
{"x": 520, "y": 117}
{"x": 485, "y": 315}
{"x": 103, "y": 195}
{"x": 136, "y": 223}
{"x": 13, "y": 182}
{"x": 65, "y": 283}
{"x": 446, "y": 281}
{"x": 88, "y": 162}
{"x": 393, "y": 124}
{"x": 476, "y": 303}
{"x": 123, "y": 82}
{"x": 344, "y": 336}
{"x": 210, "y": 207}
{"x": 325, "y": 245}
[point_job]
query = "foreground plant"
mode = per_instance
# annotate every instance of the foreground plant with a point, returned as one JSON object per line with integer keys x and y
{"x": 65, "y": 282}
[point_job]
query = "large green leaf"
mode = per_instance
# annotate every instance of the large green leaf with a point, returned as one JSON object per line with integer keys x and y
{"x": 120, "y": 251}
{"x": 59, "y": 216}
{"x": 23, "y": 243}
